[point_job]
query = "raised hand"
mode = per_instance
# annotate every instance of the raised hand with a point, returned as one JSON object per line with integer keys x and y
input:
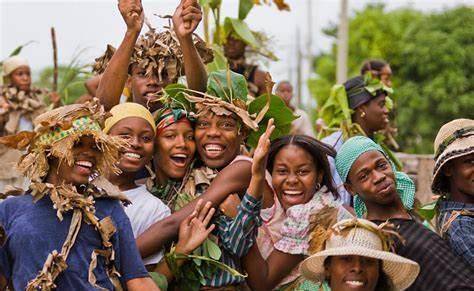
{"x": 194, "y": 230}
{"x": 186, "y": 18}
{"x": 261, "y": 151}
{"x": 132, "y": 14}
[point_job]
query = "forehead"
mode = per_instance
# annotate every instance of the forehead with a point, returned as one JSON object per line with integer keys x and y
{"x": 178, "y": 126}
{"x": 293, "y": 155}
{"x": 366, "y": 161}
{"x": 134, "y": 123}
{"x": 21, "y": 69}
{"x": 284, "y": 86}
{"x": 217, "y": 118}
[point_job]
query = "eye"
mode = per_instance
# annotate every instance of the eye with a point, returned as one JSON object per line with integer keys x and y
{"x": 362, "y": 177}
{"x": 281, "y": 171}
{"x": 147, "y": 138}
{"x": 302, "y": 172}
{"x": 382, "y": 165}
{"x": 202, "y": 124}
{"x": 169, "y": 136}
{"x": 190, "y": 137}
{"x": 125, "y": 136}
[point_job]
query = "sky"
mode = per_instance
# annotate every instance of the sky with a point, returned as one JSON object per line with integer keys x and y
{"x": 88, "y": 26}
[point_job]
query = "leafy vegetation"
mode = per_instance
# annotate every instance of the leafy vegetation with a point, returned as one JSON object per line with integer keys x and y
{"x": 431, "y": 56}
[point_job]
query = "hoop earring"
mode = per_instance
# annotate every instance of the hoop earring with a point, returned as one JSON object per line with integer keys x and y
{"x": 318, "y": 186}
{"x": 362, "y": 114}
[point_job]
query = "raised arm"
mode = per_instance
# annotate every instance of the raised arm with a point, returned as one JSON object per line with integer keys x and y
{"x": 115, "y": 75}
{"x": 186, "y": 18}
{"x": 234, "y": 178}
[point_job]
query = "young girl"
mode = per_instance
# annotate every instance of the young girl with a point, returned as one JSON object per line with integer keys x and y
{"x": 134, "y": 123}
{"x": 303, "y": 186}
{"x": 69, "y": 231}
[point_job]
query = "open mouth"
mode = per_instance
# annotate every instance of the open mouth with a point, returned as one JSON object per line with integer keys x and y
{"x": 354, "y": 284}
{"x": 132, "y": 156}
{"x": 213, "y": 150}
{"x": 179, "y": 160}
{"x": 293, "y": 196}
{"x": 84, "y": 167}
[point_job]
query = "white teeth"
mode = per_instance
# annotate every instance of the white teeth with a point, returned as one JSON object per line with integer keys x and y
{"x": 288, "y": 192}
{"x": 84, "y": 164}
{"x": 355, "y": 283}
{"x": 183, "y": 156}
{"x": 213, "y": 148}
{"x": 132, "y": 155}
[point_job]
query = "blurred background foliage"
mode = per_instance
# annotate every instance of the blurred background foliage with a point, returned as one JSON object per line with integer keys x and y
{"x": 432, "y": 58}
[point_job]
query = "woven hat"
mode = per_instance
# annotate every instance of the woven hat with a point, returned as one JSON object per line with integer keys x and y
{"x": 13, "y": 63}
{"x": 360, "y": 237}
{"x": 455, "y": 139}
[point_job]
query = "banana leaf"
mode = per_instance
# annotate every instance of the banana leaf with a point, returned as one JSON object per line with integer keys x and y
{"x": 244, "y": 8}
{"x": 227, "y": 85}
{"x": 241, "y": 30}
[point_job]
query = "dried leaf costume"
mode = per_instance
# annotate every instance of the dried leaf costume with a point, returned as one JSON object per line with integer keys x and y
{"x": 18, "y": 109}
{"x": 54, "y": 136}
{"x": 159, "y": 53}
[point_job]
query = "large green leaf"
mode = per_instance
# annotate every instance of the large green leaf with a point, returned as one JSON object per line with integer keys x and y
{"x": 218, "y": 85}
{"x": 241, "y": 30}
{"x": 283, "y": 117}
{"x": 244, "y": 8}
{"x": 428, "y": 211}
{"x": 212, "y": 249}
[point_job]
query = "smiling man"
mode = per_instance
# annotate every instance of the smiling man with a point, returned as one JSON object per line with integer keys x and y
{"x": 381, "y": 194}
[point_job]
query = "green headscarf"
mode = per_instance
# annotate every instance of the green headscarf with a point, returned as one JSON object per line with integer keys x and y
{"x": 351, "y": 151}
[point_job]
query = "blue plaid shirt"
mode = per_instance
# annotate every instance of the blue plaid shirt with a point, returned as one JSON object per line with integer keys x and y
{"x": 460, "y": 234}
{"x": 235, "y": 237}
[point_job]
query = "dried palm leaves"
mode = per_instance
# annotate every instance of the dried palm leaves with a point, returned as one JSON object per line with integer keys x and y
{"x": 158, "y": 53}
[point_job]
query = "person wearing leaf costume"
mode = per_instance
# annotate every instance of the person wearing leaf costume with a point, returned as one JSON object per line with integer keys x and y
{"x": 453, "y": 179}
{"x": 223, "y": 121}
{"x": 356, "y": 107}
{"x": 20, "y": 103}
{"x": 69, "y": 230}
{"x": 384, "y": 194}
{"x": 238, "y": 38}
{"x": 147, "y": 65}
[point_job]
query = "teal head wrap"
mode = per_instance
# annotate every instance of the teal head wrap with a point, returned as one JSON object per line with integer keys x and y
{"x": 351, "y": 150}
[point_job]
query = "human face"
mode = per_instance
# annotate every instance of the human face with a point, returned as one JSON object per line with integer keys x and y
{"x": 86, "y": 155}
{"x": 140, "y": 136}
{"x": 376, "y": 113}
{"x": 234, "y": 48}
{"x": 218, "y": 140}
{"x": 294, "y": 176}
{"x": 372, "y": 178}
{"x": 385, "y": 76}
{"x": 175, "y": 148}
{"x": 145, "y": 88}
{"x": 352, "y": 273}
{"x": 21, "y": 78}
{"x": 285, "y": 91}
{"x": 460, "y": 172}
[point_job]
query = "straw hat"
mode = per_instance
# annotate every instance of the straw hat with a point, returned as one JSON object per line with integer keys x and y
{"x": 361, "y": 237}
{"x": 13, "y": 63}
{"x": 455, "y": 139}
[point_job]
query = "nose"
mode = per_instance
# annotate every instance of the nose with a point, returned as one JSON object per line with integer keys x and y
{"x": 153, "y": 80}
{"x": 213, "y": 131}
{"x": 378, "y": 177}
{"x": 180, "y": 141}
{"x": 292, "y": 179}
{"x": 135, "y": 142}
{"x": 357, "y": 264}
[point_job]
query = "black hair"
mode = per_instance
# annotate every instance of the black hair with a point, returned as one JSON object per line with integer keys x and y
{"x": 384, "y": 283}
{"x": 317, "y": 149}
{"x": 372, "y": 65}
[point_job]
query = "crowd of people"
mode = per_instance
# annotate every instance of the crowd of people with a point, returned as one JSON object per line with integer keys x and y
{"x": 217, "y": 183}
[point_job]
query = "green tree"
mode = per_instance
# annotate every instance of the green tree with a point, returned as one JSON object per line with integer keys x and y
{"x": 432, "y": 59}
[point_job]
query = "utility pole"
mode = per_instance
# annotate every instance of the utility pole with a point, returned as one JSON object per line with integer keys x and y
{"x": 299, "y": 62}
{"x": 342, "y": 44}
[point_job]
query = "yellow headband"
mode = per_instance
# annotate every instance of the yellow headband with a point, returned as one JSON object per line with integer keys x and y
{"x": 125, "y": 110}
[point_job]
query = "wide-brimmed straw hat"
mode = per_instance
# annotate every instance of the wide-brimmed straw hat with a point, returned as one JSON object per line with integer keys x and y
{"x": 455, "y": 139}
{"x": 360, "y": 237}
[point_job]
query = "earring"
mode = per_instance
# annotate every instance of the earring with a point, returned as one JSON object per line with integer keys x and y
{"x": 362, "y": 114}
{"x": 318, "y": 186}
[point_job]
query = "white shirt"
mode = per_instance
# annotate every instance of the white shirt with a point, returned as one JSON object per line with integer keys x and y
{"x": 145, "y": 210}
